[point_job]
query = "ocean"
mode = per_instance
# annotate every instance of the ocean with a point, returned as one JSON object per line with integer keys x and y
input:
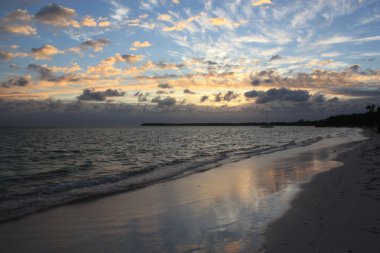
{"x": 41, "y": 167}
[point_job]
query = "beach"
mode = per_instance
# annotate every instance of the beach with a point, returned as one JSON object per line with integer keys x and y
{"x": 225, "y": 209}
{"x": 338, "y": 211}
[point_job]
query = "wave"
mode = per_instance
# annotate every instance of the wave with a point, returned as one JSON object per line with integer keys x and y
{"x": 13, "y": 205}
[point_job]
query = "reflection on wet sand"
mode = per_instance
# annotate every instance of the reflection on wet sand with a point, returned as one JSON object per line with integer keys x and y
{"x": 222, "y": 210}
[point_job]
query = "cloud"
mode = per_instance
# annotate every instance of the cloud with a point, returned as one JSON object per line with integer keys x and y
{"x": 280, "y": 94}
{"x": 17, "y": 16}
{"x": 178, "y": 26}
{"x": 166, "y": 102}
{"x": 229, "y": 96}
{"x": 96, "y": 45}
{"x": 318, "y": 98}
{"x": 142, "y": 97}
{"x": 252, "y": 94}
{"x": 176, "y": 1}
{"x": 88, "y": 21}
{"x": 57, "y": 15}
{"x": 19, "y": 29}
{"x": 6, "y": 55}
{"x": 338, "y": 39}
{"x": 92, "y": 95}
{"x": 128, "y": 58}
{"x": 331, "y": 54}
{"x": 353, "y": 68}
{"x": 255, "y": 82}
{"x": 14, "y": 82}
{"x": 18, "y": 22}
{"x": 45, "y": 52}
{"x": 165, "y": 86}
{"x": 47, "y": 74}
{"x": 251, "y": 39}
{"x": 358, "y": 91}
{"x": 44, "y": 72}
{"x": 120, "y": 12}
{"x": 187, "y": 91}
{"x": 161, "y": 92}
{"x": 132, "y": 58}
{"x": 275, "y": 58}
{"x": 104, "y": 23}
{"x": 164, "y": 17}
{"x": 137, "y": 44}
{"x": 261, "y": 2}
{"x": 203, "y": 99}
{"x": 218, "y": 21}
{"x": 264, "y": 76}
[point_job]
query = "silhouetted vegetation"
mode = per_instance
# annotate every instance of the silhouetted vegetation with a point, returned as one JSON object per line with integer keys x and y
{"x": 369, "y": 119}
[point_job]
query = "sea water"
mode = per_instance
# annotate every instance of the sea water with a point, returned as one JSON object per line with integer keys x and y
{"x": 48, "y": 166}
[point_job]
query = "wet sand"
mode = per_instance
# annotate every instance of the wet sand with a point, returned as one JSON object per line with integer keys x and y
{"x": 226, "y": 209}
{"x": 338, "y": 211}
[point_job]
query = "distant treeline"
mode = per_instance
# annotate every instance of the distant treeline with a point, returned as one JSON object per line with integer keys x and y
{"x": 369, "y": 119}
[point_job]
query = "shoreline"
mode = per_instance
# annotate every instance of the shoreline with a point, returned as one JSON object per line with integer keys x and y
{"x": 337, "y": 210}
{"x": 223, "y": 209}
{"x": 124, "y": 185}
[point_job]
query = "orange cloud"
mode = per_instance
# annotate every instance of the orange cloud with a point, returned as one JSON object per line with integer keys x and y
{"x": 104, "y": 23}
{"x": 179, "y": 26}
{"x": 261, "y": 2}
{"x": 45, "y": 52}
{"x": 164, "y": 17}
{"x": 138, "y": 44}
{"x": 88, "y": 21}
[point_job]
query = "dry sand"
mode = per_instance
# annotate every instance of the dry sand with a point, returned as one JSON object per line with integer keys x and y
{"x": 338, "y": 211}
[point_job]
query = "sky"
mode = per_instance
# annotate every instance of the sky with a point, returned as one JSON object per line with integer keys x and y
{"x": 128, "y": 62}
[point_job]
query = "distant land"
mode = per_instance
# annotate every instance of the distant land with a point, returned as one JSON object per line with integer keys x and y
{"x": 369, "y": 119}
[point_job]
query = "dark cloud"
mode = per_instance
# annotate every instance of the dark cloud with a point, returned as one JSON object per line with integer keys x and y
{"x": 163, "y": 65}
{"x": 275, "y": 58}
{"x": 229, "y": 96}
{"x": 187, "y": 91}
{"x": 166, "y": 102}
{"x": 130, "y": 58}
{"x": 4, "y": 55}
{"x": 14, "y": 81}
{"x": 255, "y": 82}
{"x": 203, "y": 99}
{"x": 44, "y": 72}
{"x": 318, "y": 98}
{"x": 47, "y": 74}
{"x": 161, "y": 92}
{"x": 265, "y": 76}
{"x": 209, "y": 62}
{"x": 91, "y": 95}
{"x": 281, "y": 94}
{"x": 96, "y": 45}
{"x": 357, "y": 92}
{"x": 354, "y": 68}
{"x": 142, "y": 97}
{"x": 165, "y": 86}
{"x": 218, "y": 97}
{"x": 56, "y": 15}
{"x": 252, "y": 94}
{"x": 55, "y": 112}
